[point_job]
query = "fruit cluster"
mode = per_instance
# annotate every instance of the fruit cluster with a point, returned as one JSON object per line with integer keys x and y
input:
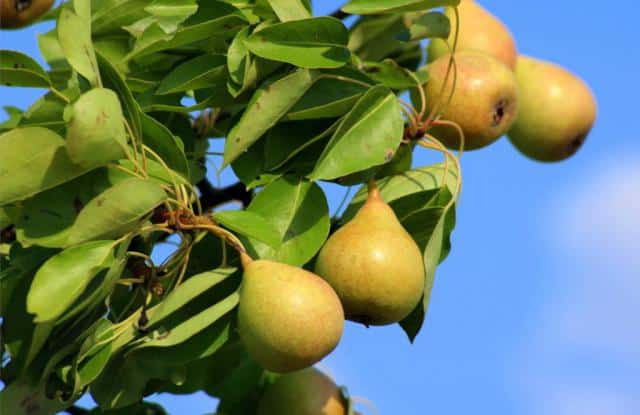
{"x": 373, "y": 267}
{"x": 546, "y": 111}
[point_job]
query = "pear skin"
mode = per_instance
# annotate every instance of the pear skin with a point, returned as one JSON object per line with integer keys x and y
{"x": 479, "y": 30}
{"x": 374, "y": 265}
{"x": 19, "y": 13}
{"x": 484, "y": 102}
{"x": 288, "y": 318}
{"x": 557, "y": 111}
{"x": 306, "y": 392}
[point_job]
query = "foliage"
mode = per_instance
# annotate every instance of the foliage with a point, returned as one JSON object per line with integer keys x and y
{"x": 110, "y": 162}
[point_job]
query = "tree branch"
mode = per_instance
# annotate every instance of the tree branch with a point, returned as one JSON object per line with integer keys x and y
{"x": 76, "y": 410}
{"x": 339, "y": 14}
{"x": 211, "y": 196}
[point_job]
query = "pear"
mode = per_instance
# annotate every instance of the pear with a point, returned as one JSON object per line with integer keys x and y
{"x": 484, "y": 102}
{"x": 307, "y": 392}
{"x": 288, "y": 318}
{"x": 373, "y": 264}
{"x": 478, "y": 30}
{"x": 19, "y": 13}
{"x": 557, "y": 111}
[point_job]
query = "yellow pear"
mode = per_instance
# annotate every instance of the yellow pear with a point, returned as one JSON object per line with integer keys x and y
{"x": 557, "y": 111}
{"x": 19, "y": 13}
{"x": 478, "y": 30}
{"x": 373, "y": 264}
{"x": 288, "y": 318}
{"x": 307, "y": 392}
{"x": 484, "y": 102}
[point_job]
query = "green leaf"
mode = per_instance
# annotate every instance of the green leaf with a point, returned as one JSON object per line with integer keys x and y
{"x": 236, "y": 389}
{"x": 203, "y": 71}
{"x": 170, "y": 13}
{"x": 319, "y": 42}
{"x": 327, "y": 98}
{"x": 373, "y": 38}
{"x": 214, "y": 18}
{"x": 245, "y": 70}
{"x": 112, "y": 79}
{"x": 17, "y": 69}
{"x": 267, "y": 106}
{"x": 169, "y": 147}
{"x": 99, "y": 288}
{"x": 96, "y": 133}
{"x": 394, "y": 6}
{"x": 368, "y": 135}
{"x": 432, "y": 253}
{"x": 117, "y": 210}
{"x": 287, "y": 140}
{"x": 33, "y": 159}
{"x": 23, "y": 338}
{"x": 249, "y": 224}
{"x": 47, "y": 112}
{"x": 287, "y": 10}
{"x": 428, "y": 25}
{"x": 186, "y": 292}
{"x": 238, "y": 57}
{"x": 414, "y": 181}
{"x": 114, "y": 48}
{"x": 298, "y": 209}
{"x": 63, "y": 277}
{"x": 20, "y": 397}
{"x": 15, "y": 116}
{"x": 46, "y": 218}
{"x": 389, "y": 74}
{"x": 74, "y": 34}
{"x": 95, "y": 353}
{"x": 194, "y": 325}
{"x": 112, "y": 15}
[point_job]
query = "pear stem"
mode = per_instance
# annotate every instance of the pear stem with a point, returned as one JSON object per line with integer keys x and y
{"x": 372, "y": 187}
{"x": 245, "y": 259}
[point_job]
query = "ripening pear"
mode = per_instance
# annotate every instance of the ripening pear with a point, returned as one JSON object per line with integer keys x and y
{"x": 557, "y": 111}
{"x": 484, "y": 102}
{"x": 307, "y": 392}
{"x": 288, "y": 318}
{"x": 373, "y": 264}
{"x": 19, "y": 13}
{"x": 478, "y": 30}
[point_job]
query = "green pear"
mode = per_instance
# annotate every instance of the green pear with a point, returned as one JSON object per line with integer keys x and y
{"x": 557, "y": 111}
{"x": 307, "y": 392}
{"x": 20, "y": 13}
{"x": 374, "y": 265}
{"x": 478, "y": 30}
{"x": 484, "y": 102}
{"x": 288, "y": 318}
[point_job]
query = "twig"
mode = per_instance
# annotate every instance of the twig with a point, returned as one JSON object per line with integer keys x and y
{"x": 211, "y": 196}
{"x": 339, "y": 14}
{"x": 76, "y": 410}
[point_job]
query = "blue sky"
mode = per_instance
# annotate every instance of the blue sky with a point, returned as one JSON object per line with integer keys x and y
{"x": 535, "y": 310}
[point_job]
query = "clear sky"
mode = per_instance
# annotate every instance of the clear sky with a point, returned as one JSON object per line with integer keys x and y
{"x": 536, "y": 309}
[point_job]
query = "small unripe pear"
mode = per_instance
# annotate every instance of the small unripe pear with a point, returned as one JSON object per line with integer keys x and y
{"x": 374, "y": 265}
{"x": 19, "y": 13}
{"x": 557, "y": 111}
{"x": 307, "y": 392}
{"x": 484, "y": 102}
{"x": 288, "y": 318}
{"x": 478, "y": 30}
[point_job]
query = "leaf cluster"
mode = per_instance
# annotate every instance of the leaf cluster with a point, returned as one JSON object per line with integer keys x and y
{"x": 92, "y": 172}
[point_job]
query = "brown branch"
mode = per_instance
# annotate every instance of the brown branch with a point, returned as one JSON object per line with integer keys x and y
{"x": 76, "y": 410}
{"x": 211, "y": 197}
{"x": 339, "y": 14}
